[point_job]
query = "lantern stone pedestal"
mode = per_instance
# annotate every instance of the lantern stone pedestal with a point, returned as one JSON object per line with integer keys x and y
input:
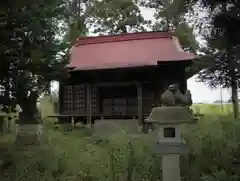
{"x": 174, "y": 112}
{"x": 170, "y": 143}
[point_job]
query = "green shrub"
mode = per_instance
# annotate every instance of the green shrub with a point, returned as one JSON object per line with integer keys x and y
{"x": 121, "y": 157}
{"x": 83, "y": 155}
{"x": 213, "y": 155}
{"x": 214, "y": 150}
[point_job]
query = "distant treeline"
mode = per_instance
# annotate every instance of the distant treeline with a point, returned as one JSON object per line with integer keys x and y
{"x": 218, "y": 102}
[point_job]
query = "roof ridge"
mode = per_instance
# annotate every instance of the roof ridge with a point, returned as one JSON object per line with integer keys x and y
{"x": 122, "y": 37}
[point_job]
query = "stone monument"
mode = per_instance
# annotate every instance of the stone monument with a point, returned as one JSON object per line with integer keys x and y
{"x": 170, "y": 144}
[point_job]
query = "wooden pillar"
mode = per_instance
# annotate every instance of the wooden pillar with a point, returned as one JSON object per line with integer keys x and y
{"x": 60, "y": 98}
{"x": 89, "y": 105}
{"x": 140, "y": 103}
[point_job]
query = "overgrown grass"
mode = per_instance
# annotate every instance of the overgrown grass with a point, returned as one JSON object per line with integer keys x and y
{"x": 213, "y": 109}
{"x": 81, "y": 154}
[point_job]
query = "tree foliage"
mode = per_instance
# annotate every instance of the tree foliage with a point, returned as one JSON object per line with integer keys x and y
{"x": 116, "y": 16}
{"x": 223, "y": 43}
{"x": 29, "y": 50}
{"x": 219, "y": 69}
{"x": 101, "y": 17}
{"x": 76, "y": 19}
{"x": 170, "y": 15}
{"x": 223, "y": 40}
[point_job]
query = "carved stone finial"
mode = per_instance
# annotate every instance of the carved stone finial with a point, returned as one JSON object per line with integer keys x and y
{"x": 173, "y": 97}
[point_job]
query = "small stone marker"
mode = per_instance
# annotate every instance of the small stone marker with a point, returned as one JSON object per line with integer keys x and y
{"x": 170, "y": 144}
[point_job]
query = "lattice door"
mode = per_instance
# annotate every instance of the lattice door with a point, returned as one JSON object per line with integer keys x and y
{"x": 94, "y": 100}
{"x": 79, "y": 98}
{"x": 68, "y": 99}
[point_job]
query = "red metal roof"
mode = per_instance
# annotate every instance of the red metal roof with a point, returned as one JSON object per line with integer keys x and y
{"x": 126, "y": 50}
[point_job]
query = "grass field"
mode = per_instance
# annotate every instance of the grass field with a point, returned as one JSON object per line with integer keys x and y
{"x": 119, "y": 155}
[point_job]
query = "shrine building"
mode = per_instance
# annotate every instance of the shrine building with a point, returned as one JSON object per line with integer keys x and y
{"x": 121, "y": 76}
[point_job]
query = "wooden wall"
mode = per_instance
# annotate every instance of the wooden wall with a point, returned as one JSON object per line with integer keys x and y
{"x": 74, "y": 100}
{"x": 119, "y": 100}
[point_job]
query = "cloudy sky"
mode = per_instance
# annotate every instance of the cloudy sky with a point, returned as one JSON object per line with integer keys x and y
{"x": 201, "y": 92}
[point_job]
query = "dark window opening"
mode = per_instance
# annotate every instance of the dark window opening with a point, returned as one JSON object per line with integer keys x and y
{"x": 169, "y": 132}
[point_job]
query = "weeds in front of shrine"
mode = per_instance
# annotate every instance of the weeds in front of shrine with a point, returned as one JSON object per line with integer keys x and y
{"x": 80, "y": 155}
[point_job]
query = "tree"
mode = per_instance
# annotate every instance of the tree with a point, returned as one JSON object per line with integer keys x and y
{"x": 222, "y": 51}
{"x": 102, "y": 17}
{"x": 176, "y": 16}
{"x": 116, "y": 16}
{"x": 76, "y": 19}
{"x": 30, "y": 52}
{"x": 171, "y": 16}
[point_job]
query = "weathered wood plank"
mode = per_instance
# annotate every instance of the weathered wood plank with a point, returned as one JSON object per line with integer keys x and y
{"x": 89, "y": 104}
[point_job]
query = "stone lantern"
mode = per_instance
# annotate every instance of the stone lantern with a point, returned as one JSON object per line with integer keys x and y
{"x": 170, "y": 116}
